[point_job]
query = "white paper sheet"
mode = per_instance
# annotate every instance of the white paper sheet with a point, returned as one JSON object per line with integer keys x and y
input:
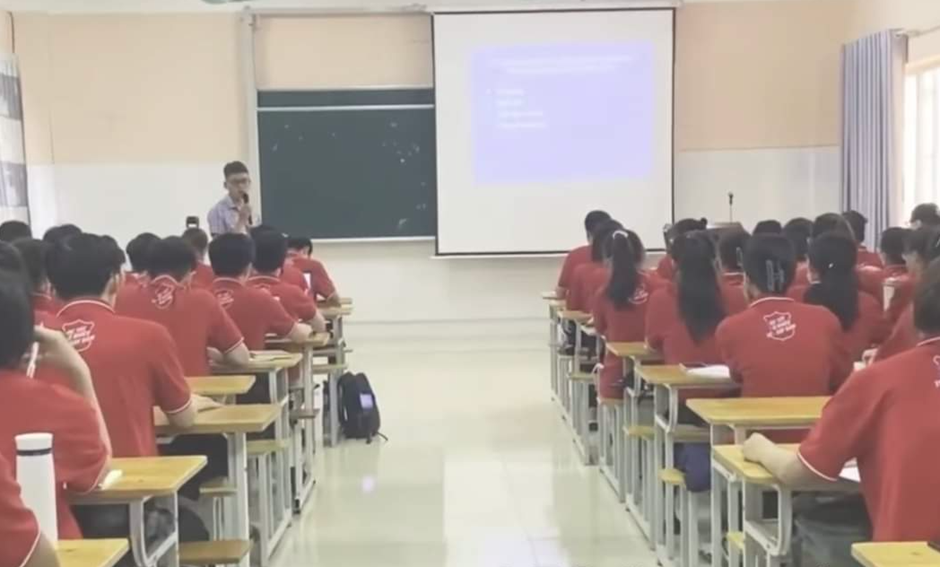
{"x": 717, "y": 372}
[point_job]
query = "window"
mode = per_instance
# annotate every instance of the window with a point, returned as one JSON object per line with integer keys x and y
{"x": 921, "y": 139}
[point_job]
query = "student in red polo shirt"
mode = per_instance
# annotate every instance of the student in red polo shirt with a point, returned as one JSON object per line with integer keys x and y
{"x": 256, "y": 312}
{"x": 683, "y": 315}
{"x": 270, "y": 255}
{"x": 897, "y": 279}
{"x": 777, "y": 346}
{"x": 137, "y": 250}
{"x": 589, "y": 278}
{"x": 133, "y": 362}
{"x": 798, "y": 231}
{"x": 923, "y": 246}
{"x": 859, "y": 223}
{"x": 21, "y": 542}
{"x": 835, "y": 286}
{"x": 730, "y": 251}
{"x": 885, "y": 417}
{"x": 299, "y": 251}
{"x": 81, "y": 446}
{"x": 199, "y": 240}
{"x": 581, "y": 254}
{"x": 666, "y": 268}
{"x": 620, "y": 306}
{"x": 193, "y": 317}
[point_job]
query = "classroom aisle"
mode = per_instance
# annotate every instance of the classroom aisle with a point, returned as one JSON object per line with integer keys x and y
{"x": 479, "y": 471}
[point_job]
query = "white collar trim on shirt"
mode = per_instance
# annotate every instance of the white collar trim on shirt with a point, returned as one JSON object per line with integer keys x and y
{"x": 929, "y": 341}
{"x": 228, "y": 279}
{"x": 772, "y": 298}
{"x": 96, "y": 302}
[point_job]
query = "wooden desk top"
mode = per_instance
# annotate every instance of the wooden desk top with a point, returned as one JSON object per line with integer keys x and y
{"x": 144, "y": 477}
{"x": 90, "y": 552}
{"x": 336, "y": 312}
{"x": 732, "y": 457}
{"x": 557, "y": 304}
{"x": 638, "y": 351}
{"x": 576, "y": 316}
{"x": 263, "y": 361}
{"x": 343, "y": 301}
{"x": 674, "y": 376}
{"x": 316, "y": 340}
{"x": 757, "y": 412}
{"x": 895, "y": 555}
{"x": 248, "y": 418}
{"x": 214, "y": 386}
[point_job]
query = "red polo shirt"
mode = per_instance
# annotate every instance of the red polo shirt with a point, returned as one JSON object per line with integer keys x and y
{"x": 298, "y": 304}
{"x": 870, "y": 280}
{"x": 255, "y": 311}
{"x": 871, "y": 327}
{"x": 203, "y": 276}
{"x": 321, "y": 285}
{"x": 904, "y": 336}
{"x": 19, "y": 530}
{"x": 620, "y": 325}
{"x": 778, "y": 347}
{"x": 587, "y": 281}
{"x": 885, "y": 416}
{"x": 47, "y": 303}
{"x": 866, "y": 257}
{"x": 134, "y": 366}
{"x": 666, "y": 331}
{"x": 577, "y": 257}
{"x": 294, "y": 277}
{"x": 193, "y": 317}
{"x": 666, "y": 268}
{"x": 28, "y": 406}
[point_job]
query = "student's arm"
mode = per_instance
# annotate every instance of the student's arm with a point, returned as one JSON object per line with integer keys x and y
{"x": 300, "y": 333}
{"x": 81, "y": 458}
{"x": 724, "y": 335}
{"x": 225, "y": 337}
{"x": 281, "y": 323}
{"x": 902, "y": 338}
{"x": 171, "y": 391}
{"x": 57, "y": 351}
{"x": 238, "y": 356}
{"x": 306, "y": 310}
{"x": 784, "y": 465}
{"x": 317, "y": 323}
{"x": 564, "y": 278}
{"x": 657, "y": 319}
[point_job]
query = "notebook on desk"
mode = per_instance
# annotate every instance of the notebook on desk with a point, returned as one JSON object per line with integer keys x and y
{"x": 713, "y": 371}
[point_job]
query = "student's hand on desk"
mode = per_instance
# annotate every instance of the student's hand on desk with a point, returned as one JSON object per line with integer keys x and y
{"x": 202, "y": 403}
{"x": 755, "y": 447}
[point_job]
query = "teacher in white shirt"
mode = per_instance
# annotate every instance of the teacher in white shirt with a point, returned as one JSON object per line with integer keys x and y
{"x": 232, "y": 213}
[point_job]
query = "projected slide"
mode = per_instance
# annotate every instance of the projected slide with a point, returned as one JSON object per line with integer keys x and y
{"x": 543, "y": 113}
{"x": 544, "y": 116}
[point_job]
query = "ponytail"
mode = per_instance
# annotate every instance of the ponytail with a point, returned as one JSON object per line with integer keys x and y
{"x": 832, "y": 256}
{"x": 701, "y": 304}
{"x": 626, "y": 253}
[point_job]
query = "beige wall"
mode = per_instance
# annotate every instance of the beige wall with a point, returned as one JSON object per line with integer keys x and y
{"x": 876, "y": 15}
{"x": 131, "y": 88}
{"x": 6, "y": 32}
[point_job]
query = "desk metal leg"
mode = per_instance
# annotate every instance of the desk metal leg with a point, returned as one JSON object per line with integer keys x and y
{"x": 333, "y": 385}
{"x": 238, "y": 521}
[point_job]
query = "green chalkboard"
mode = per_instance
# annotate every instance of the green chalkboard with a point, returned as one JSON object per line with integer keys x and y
{"x": 349, "y": 164}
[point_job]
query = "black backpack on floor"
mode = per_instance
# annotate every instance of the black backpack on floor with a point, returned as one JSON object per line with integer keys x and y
{"x": 358, "y": 409}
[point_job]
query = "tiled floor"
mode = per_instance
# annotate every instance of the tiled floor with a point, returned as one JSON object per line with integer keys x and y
{"x": 479, "y": 470}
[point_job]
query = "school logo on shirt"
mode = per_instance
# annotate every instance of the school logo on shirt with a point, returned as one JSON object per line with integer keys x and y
{"x": 80, "y": 333}
{"x": 640, "y": 296}
{"x": 225, "y": 297}
{"x": 780, "y": 326}
{"x": 163, "y": 295}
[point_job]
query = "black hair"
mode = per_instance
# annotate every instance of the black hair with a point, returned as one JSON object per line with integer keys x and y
{"x": 120, "y": 256}
{"x": 831, "y": 221}
{"x": 926, "y": 214}
{"x": 270, "y": 251}
{"x": 14, "y": 230}
{"x": 858, "y": 222}
{"x": 731, "y": 248}
{"x": 832, "y": 256}
{"x": 138, "y": 249}
{"x": 924, "y": 243}
{"x": 82, "y": 265}
{"x": 927, "y": 301}
{"x": 770, "y": 263}
{"x": 799, "y": 230}
{"x": 682, "y": 227}
{"x": 595, "y": 219}
{"x": 10, "y": 259}
{"x": 59, "y": 233}
{"x": 769, "y": 226}
{"x": 299, "y": 243}
{"x": 33, "y": 252}
{"x": 234, "y": 168}
{"x": 231, "y": 254}
{"x": 171, "y": 256}
{"x": 626, "y": 253}
{"x": 16, "y": 320}
{"x": 701, "y": 304}
{"x": 197, "y": 238}
{"x": 893, "y": 243}
{"x": 599, "y": 238}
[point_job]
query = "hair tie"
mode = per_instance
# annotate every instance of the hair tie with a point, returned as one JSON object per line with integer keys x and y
{"x": 771, "y": 277}
{"x": 936, "y": 243}
{"x": 831, "y": 265}
{"x": 621, "y": 233}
